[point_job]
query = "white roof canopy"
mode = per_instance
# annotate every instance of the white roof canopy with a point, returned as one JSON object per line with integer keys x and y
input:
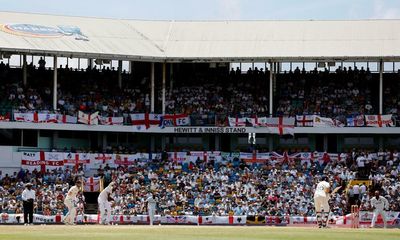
{"x": 199, "y": 40}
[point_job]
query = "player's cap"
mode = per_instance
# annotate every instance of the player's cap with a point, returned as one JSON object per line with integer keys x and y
{"x": 28, "y": 184}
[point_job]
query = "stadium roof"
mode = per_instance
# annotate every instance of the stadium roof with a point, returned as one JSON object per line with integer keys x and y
{"x": 199, "y": 40}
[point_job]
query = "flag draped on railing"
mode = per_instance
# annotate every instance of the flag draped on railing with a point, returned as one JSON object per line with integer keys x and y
{"x": 237, "y": 121}
{"x": 355, "y": 121}
{"x": 304, "y": 120}
{"x": 89, "y": 119}
{"x": 111, "y": 120}
{"x": 43, "y": 161}
{"x": 281, "y": 125}
{"x": 143, "y": 121}
{"x": 379, "y": 120}
{"x": 171, "y": 120}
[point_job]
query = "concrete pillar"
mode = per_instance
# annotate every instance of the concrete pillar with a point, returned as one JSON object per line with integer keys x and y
{"x": 270, "y": 143}
{"x": 381, "y": 87}
{"x": 55, "y": 84}
{"x": 171, "y": 78}
{"x": 217, "y": 142}
{"x": 38, "y": 138}
{"x": 380, "y": 143}
{"x": 271, "y": 69}
{"x": 22, "y": 137}
{"x": 234, "y": 142}
{"x": 205, "y": 141}
{"x": 104, "y": 142}
{"x": 163, "y": 142}
{"x": 325, "y": 142}
{"x": 54, "y": 140}
{"x": 120, "y": 74}
{"x": 24, "y": 70}
{"x": 152, "y": 143}
{"x": 164, "y": 76}
{"x": 152, "y": 87}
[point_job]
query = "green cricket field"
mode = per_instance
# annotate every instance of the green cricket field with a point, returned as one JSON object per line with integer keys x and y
{"x": 77, "y": 232}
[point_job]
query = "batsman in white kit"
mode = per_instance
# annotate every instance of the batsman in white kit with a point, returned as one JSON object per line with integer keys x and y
{"x": 105, "y": 204}
{"x": 379, "y": 204}
{"x": 151, "y": 207}
{"x": 71, "y": 203}
{"x": 321, "y": 202}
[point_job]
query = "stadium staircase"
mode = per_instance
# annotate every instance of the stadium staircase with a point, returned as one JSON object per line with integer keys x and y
{"x": 91, "y": 208}
{"x": 91, "y": 205}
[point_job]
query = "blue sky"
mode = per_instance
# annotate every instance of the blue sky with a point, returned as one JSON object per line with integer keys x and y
{"x": 212, "y": 9}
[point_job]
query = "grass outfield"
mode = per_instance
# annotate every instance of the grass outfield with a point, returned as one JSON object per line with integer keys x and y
{"x": 60, "y": 232}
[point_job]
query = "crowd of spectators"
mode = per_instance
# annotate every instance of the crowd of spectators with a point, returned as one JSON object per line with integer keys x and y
{"x": 383, "y": 169}
{"x": 99, "y": 91}
{"x": 338, "y": 94}
{"x": 51, "y": 187}
{"x": 215, "y": 188}
{"x": 87, "y": 90}
{"x": 13, "y": 95}
{"x": 209, "y": 188}
{"x": 391, "y": 95}
{"x": 240, "y": 99}
{"x": 346, "y": 92}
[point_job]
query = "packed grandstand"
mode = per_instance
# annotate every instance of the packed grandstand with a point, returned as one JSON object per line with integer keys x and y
{"x": 345, "y": 95}
{"x": 221, "y": 184}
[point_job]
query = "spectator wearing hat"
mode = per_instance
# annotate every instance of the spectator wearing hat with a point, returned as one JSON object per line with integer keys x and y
{"x": 28, "y": 196}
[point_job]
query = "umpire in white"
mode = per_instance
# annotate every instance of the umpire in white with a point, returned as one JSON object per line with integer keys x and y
{"x": 28, "y": 196}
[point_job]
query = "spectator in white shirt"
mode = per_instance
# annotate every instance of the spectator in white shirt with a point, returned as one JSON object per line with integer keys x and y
{"x": 361, "y": 165}
{"x": 361, "y": 161}
{"x": 363, "y": 189}
{"x": 356, "y": 192}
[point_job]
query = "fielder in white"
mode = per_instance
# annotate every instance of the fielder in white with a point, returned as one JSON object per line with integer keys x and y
{"x": 321, "y": 202}
{"x": 151, "y": 207}
{"x": 379, "y": 204}
{"x": 105, "y": 204}
{"x": 71, "y": 202}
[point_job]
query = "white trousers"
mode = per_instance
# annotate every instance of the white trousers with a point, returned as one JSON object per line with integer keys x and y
{"x": 375, "y": 217}
{"x": 320, "y": 203}
{"x": 151, "y": 214}
{"x": 70, "y": 216}
{"x": 105, "y": 211}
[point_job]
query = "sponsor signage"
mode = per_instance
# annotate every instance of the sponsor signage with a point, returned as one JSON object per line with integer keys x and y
{"x": 41, "y": 31}
{"x": 210, "y": 130}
